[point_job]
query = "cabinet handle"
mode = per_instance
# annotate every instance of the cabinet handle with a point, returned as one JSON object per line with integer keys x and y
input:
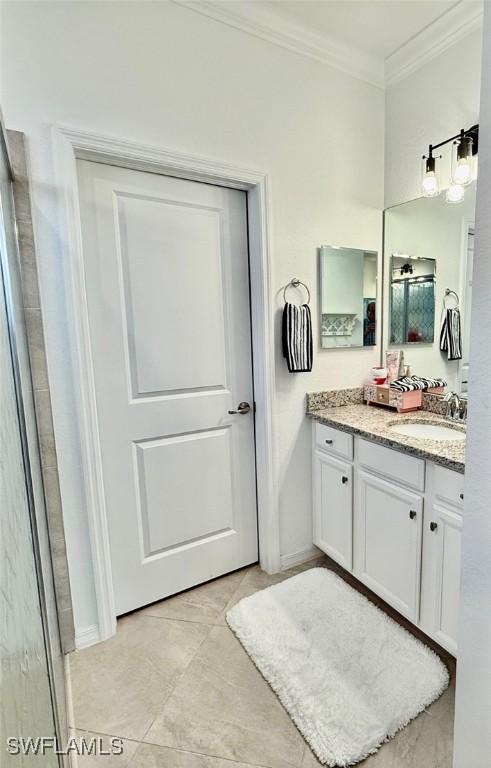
{"x": 433, "y": 526}
{"x": 412, "y": 514}
{"x": 328, "y": 442}
{"x": 344, "y": 479}
{"x": 461, "y": 495}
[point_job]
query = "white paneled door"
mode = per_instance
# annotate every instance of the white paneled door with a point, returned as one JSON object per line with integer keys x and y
{"x": 167, "y": 284}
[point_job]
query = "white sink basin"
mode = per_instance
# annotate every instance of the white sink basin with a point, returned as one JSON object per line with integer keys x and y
{"x": 427, "y": 431}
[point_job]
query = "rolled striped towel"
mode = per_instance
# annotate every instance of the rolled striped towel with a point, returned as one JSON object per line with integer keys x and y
{"x": 450, "y": 334}
{"x": 410, "y": 383}
{"x": 297, "y": 337}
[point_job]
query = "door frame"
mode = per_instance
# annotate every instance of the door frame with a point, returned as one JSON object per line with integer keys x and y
{"x": 69, "y": 145}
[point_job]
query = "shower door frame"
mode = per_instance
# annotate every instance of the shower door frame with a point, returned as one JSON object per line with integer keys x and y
{"x": 5, "y": 286}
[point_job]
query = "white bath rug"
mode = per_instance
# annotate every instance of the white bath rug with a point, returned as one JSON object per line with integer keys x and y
{"x": 349, "y": 676}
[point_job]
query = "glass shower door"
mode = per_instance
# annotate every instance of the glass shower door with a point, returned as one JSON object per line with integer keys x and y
{"x": 31, "y": 663}
{"x": 412, "y": 311}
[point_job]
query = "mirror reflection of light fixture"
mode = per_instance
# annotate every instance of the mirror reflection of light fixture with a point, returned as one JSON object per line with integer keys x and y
{"x": 430, "y": 183}
{"x": 406, "y": 269}
{"x": 455, "y": 193}
{"x": 464, "y": 152}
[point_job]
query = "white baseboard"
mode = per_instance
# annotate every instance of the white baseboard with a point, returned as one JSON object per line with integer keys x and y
{"x": 297, "y": 558}
{"x": 86, "y": 636}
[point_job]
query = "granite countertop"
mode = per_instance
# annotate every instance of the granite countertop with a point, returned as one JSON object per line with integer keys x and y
{"x": 372, "y": 422}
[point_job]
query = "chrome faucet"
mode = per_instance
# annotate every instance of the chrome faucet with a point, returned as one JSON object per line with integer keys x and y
{"x": 453, "y": 405}
{"x": 456, "y": 407}
{"x": 463, "y": 409}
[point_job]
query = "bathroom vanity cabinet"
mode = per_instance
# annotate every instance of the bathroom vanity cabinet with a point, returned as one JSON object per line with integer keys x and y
{"x": 394, "y": 521}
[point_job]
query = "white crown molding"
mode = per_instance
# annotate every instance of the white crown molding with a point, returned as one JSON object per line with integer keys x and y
{"x": 275, "y": 28}
{"x": 433, "y": 40}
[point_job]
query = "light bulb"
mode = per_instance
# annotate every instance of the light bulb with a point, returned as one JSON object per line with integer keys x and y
{"x": 430, "y": 184}
{"x": 462, "y": 160}
{"x": 455, "y": 193}
{"x": 462, "y": 173}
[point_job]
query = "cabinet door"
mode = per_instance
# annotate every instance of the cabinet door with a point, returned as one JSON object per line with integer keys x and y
{"x": 440, "y": 588}
{"x": 387, "y": 537}
{"x": 333, "y": 508}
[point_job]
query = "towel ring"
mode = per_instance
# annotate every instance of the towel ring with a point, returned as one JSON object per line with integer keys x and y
{"x": 295, "y": 283}
{"x": 448, "y": 292}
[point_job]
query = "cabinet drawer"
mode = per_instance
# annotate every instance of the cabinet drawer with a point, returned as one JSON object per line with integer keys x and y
{"x": 448, "y": 485}
{"x": 383, "y": 395}
{"x": 405, "y": 470}
{"x": 334, "y": 441}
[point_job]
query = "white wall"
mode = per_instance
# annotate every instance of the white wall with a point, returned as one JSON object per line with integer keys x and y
{"x": 473, "y": 702}
{"x": 428, "y": 106}
{"x": 370, "y": 277}
{"x": 162, "y": 74}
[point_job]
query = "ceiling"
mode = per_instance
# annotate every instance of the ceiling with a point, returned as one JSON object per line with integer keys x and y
{"x": 378, "y": 27}
{"x": 379, "y": 41}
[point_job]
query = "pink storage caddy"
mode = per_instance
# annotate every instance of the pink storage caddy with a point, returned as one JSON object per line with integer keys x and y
{"x": 403, "y": 402}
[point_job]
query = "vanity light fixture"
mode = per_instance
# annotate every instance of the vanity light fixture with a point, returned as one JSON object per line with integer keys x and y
{"x": 464, "y": 151}
{"x": 430, "y": 183}
{"x": 462, "y": 160}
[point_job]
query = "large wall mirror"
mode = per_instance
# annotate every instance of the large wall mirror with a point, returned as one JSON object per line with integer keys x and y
{"x": 348, "y": 297}
{"x": 428, "y": 251}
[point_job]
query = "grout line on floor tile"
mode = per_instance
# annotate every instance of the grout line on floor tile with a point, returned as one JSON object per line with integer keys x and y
{"x": 245, "y": 572}
{"x": 207, "y": 754}
{"x": 172, "y": 688}
{"x": 96, "y": 732}
{"x": 162, "y": 746}
{"x": 230, "y": 604}
{"x": 243, "y": 761}
{"x": 178, "y": 678}
{"x": 186, "y": 621}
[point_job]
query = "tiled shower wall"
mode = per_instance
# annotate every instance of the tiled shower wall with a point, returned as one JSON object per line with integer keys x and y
{"x": 37, "y": 354}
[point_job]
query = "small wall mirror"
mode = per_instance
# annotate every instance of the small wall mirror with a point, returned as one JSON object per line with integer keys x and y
{"x": 348, "y": 300}
{"x": 412, "y": 299}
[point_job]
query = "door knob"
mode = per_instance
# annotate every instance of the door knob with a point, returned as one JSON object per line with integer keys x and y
{"x": 242, "y": 408}
{"x": 345, "y": 479}
{"x": 433, "y": 526}
{"x": 412, "y": 514}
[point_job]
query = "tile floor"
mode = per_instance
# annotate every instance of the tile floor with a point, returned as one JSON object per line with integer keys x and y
{"x": 177, "y": 686}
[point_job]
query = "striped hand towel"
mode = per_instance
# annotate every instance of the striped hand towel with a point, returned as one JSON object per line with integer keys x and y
{"x": 410, "y": 383}
{"x": 297, "y": 337}
{"x": 450, "y": 335}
